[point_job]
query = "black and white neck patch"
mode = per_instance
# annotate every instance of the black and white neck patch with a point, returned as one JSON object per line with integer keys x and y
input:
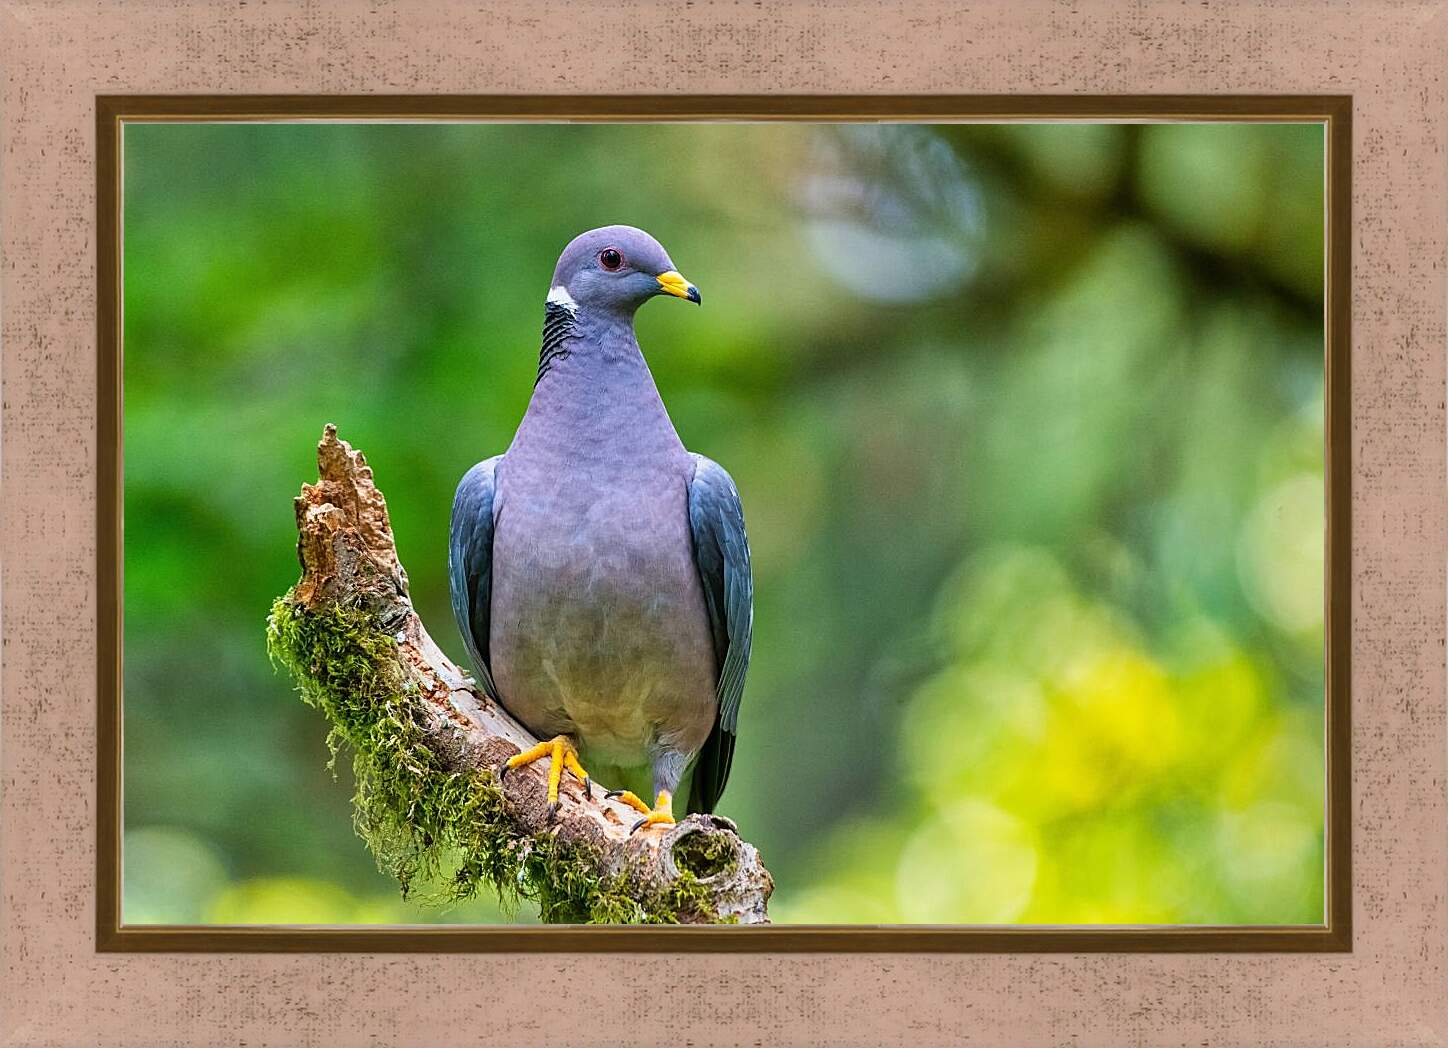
{"x": 559, "y": 326}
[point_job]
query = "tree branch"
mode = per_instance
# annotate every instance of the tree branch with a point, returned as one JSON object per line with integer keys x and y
{"x": 427, "y": 745}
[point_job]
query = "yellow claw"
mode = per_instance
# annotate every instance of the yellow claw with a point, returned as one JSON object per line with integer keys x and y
{"x": 570, "y": 761}
{"x": 555, "y": 776}
{"x": 562, "y": 754}
{"x": 662, "y": 813}
{"x": 631, "y": 799}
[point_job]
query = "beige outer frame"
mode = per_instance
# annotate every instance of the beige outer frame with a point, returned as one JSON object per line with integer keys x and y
{"x": 1333, "y": 111}
{"x": 54, "y": 988}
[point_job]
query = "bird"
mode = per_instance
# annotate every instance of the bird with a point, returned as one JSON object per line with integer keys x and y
{"x": 599, "y": 571}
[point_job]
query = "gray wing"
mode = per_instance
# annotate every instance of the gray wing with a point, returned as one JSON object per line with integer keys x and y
{"x": 721, "y": 550}
{"x": 470, "y": 564}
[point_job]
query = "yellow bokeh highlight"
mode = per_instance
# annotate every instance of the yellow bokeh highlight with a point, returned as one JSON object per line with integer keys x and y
{"x": 1065, "y": 768}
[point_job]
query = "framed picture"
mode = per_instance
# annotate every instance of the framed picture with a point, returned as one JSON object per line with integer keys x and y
{"x": 929, "y": 551}
{"x": 1079, "y": 651}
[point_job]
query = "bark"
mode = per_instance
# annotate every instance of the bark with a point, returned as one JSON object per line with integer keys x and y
{"x": 349, "y": 558}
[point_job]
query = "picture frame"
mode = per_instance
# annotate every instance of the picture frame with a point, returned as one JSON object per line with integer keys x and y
{"x": 1373, "y": 977}
{"x": 1332, "y": 112}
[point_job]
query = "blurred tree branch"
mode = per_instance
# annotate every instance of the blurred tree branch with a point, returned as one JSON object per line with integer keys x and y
{"x": 427, "y": 745}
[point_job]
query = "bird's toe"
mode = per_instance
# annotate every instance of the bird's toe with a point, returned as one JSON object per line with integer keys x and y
{"x": 561, "y": 755}
{"x": 661, "y": 814}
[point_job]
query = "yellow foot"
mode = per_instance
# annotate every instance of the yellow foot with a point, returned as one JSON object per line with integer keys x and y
{"x": 561, "y": 752}
{"x": 661, "y": 814}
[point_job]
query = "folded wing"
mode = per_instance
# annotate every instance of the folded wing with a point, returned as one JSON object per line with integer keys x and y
{"x": 721, "y": 551}
{"x": 470, "y": 564}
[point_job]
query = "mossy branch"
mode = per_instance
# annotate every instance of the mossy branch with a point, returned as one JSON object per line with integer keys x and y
{"x": 426, "y": 745}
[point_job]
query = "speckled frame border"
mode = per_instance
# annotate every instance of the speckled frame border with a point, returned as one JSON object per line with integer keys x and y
{"x": 1332, "y": 112}
{"x": 57, "y": 56}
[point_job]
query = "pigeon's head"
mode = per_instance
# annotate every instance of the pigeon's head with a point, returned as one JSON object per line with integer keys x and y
{"x": 615, "y": 269}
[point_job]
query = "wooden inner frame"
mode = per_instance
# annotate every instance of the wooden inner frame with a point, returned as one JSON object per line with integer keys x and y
{"x": 1334, "y": 112}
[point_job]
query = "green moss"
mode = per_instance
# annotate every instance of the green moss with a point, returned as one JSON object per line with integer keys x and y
{"x": 446, "y": 831}
{"x": 703, "y": 855}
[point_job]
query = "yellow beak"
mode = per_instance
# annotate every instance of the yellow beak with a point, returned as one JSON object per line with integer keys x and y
{"x": 674, "y": 284}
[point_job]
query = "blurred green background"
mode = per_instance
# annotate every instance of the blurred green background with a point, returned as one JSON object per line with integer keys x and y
{"x": 1028, "y": 424}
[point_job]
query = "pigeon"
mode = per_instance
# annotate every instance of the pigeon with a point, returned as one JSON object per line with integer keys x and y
{"x": 599, "y": 571}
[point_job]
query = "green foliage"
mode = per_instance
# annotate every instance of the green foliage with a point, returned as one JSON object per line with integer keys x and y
{"x": 426, "y": 824}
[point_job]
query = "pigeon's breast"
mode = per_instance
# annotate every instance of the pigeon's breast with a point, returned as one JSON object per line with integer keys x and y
{"x": 599, "y": 627}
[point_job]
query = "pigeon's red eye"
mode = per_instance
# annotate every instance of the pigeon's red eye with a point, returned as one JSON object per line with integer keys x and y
{"x": 610, "y": 258}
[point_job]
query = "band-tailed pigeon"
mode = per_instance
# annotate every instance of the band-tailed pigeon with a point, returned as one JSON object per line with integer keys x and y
{"x": 599, "y": 571}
